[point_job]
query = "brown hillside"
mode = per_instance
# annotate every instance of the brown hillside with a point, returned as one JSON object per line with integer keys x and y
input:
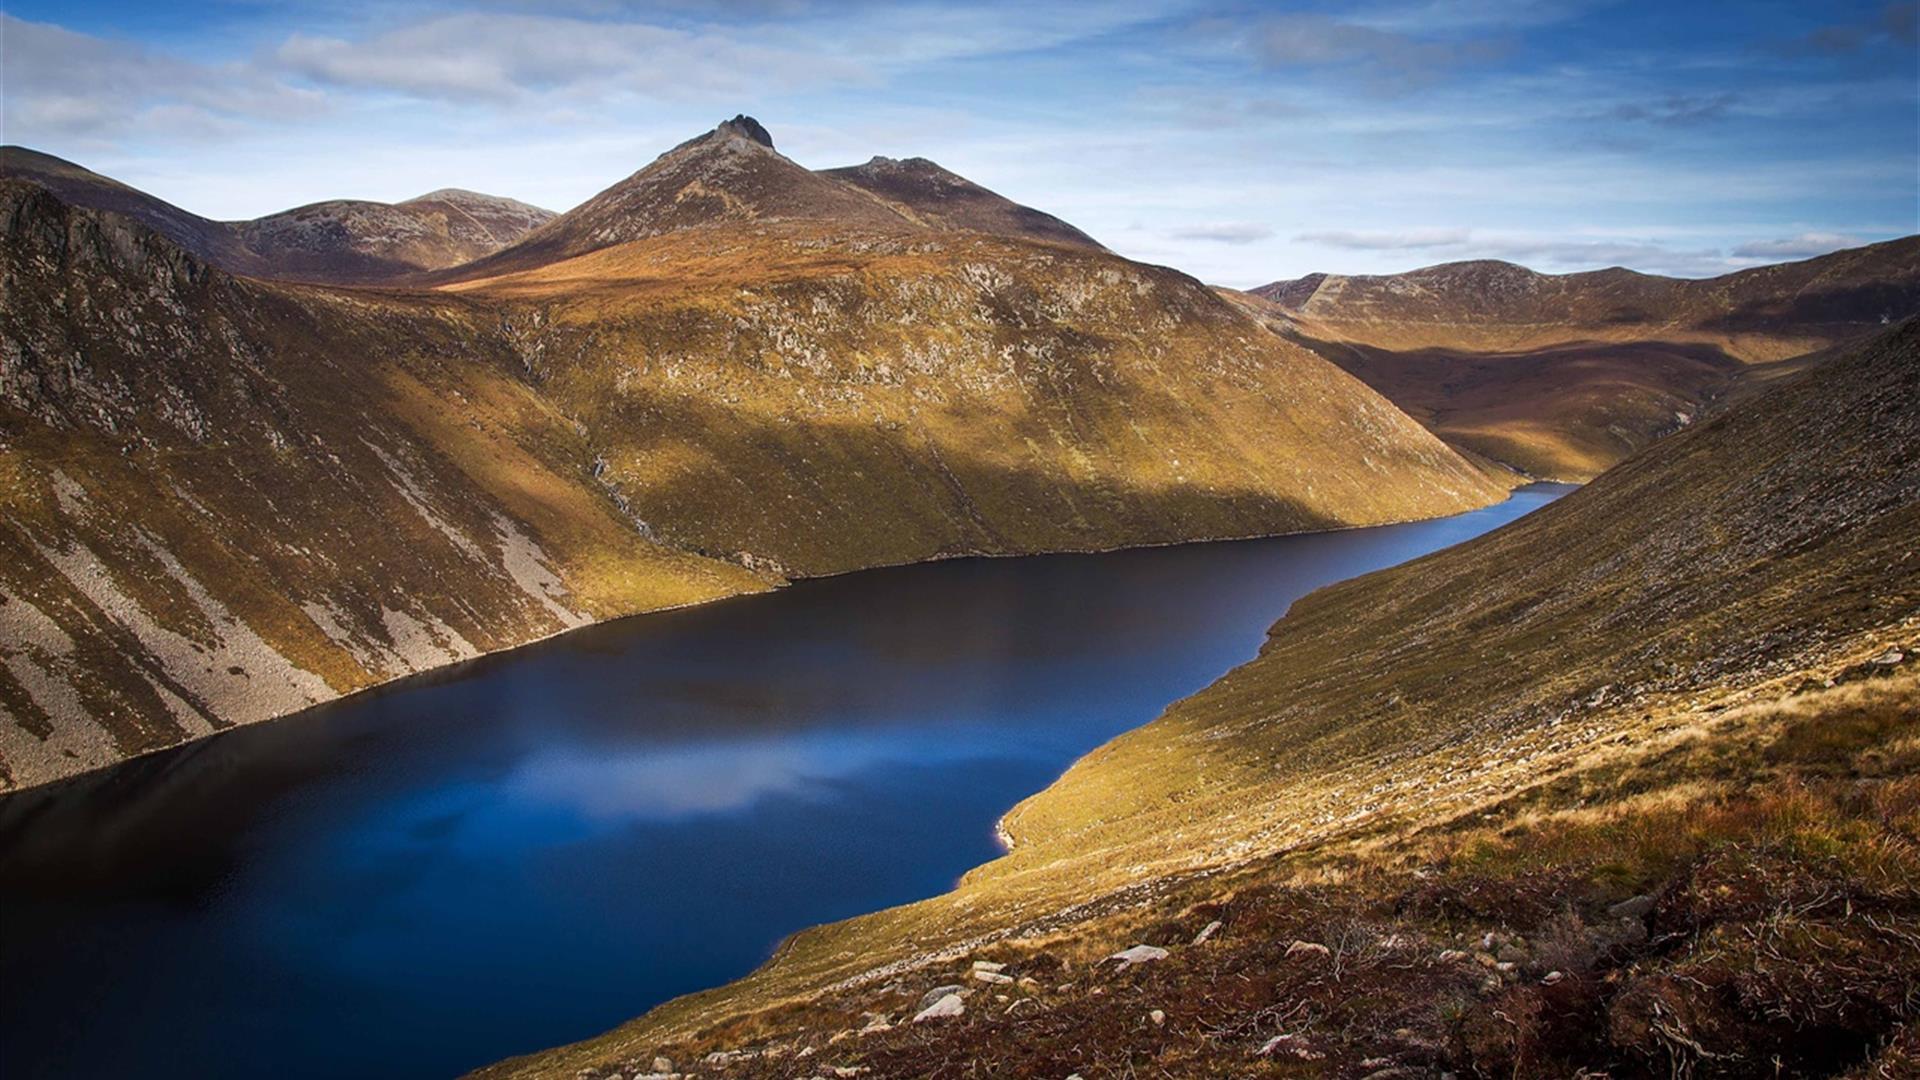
{"x": 951, "y": 201}
{"x": 344, "y": 241}
{"x": 229, "y": 498}
{"x": 1565, "y": 375}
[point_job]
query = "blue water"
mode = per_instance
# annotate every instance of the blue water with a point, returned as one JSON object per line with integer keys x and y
{"x": 531, "y": 848}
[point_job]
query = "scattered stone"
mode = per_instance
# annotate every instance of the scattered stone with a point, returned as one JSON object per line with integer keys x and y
{"x": 1890, "y": 657}
{"x": 951, "y": 1005}
{"x": 1290, "y": 1045}
{"x": 1511, "y": 954}
{"x": 992, "y": 977}
{"x": 1638, "y": 907}
{"x": 1139, "y": 954}
{"x": 1206, "y": 935}
{"x": 936, "y": 994}
{"x": 1159, "y": 1018}
{"x": 662, "y": 1063}
{"x": 988, "y": 965}
{"x": 1553, "y": 977}
{"x": 1307, "y": 948}
{"x": 1451, "y": 956}
{"x": 844, "y": 1071}
{"x": 1028, "y": 982}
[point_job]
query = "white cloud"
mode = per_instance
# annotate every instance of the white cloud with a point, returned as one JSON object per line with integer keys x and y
{"x": 483, "y": 57}
{"x": 1411, "y": 239}
{"x": 1386, "y": 60}
{"x": 1804, "y": 246}
{"x": 1225, "y": 232}
{"x": 59, "y": 83}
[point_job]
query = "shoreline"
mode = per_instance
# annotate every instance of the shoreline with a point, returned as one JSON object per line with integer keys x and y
{"x": 453, "y": 668}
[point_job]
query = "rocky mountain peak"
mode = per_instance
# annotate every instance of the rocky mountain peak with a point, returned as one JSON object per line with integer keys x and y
{"x": 746, "y": 127}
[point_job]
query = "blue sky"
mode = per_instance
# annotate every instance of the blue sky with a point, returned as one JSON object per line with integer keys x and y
{"x": 1241, "y": 143}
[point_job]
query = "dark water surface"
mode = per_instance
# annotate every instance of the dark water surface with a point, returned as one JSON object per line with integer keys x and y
{"x": 533, "y": 847}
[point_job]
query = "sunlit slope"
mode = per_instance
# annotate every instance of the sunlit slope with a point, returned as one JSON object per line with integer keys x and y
{"x": 1564, "y": 662}
{"x": 225, "y": 500}
{"x": 1565, "y": 375}
{"x": 231, "y": 498}
{"x": 823, "y": 400}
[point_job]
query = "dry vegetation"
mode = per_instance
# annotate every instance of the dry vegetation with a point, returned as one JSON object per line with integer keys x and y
{"x": 1564, "y": 376}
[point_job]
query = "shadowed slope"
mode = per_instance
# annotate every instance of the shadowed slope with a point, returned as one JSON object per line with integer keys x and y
{"x": 1564, "y": 375}
{"x": 344, "y": 241}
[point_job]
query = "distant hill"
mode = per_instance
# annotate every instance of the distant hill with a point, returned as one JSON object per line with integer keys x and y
{"x": 343, "y": 241}
{"x": 1563, "y": 375}
{"x": 231, "y": 497}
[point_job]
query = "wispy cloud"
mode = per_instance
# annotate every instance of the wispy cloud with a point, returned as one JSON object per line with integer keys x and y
{"x": 1407, "y": 240}
{"x": 59, "y": 81}
{"x": 1237, "y": 142}
{"x": 486, "y": 57}
{"x": 1675, "y": 110}
{"x": 1580, "y": 253}
{"x": 1225, "y": 232}
{"x": 1804, "y": 246}
{"x": 1387, "y": 61}
{"x": 1896, "y": 24}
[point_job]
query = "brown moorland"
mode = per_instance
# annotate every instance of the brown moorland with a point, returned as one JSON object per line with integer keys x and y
{"x": 1564, "y": 375}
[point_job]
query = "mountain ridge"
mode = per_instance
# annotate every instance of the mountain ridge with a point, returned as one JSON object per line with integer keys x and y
{"x": 231, "y": 497}
{"x": 334, "y": 241}
{"x": 1564, "y": 375}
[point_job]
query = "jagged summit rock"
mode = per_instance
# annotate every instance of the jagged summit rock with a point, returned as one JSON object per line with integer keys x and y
{"x": 742, "y": 124}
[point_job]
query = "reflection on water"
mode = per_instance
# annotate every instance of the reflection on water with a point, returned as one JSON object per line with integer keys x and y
{"x": 534, "y": 847}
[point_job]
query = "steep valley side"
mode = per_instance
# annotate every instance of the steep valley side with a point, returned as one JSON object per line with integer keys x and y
{"x": 229, "y": 498}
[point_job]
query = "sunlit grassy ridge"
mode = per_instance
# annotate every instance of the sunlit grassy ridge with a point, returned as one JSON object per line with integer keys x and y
{"x": 1557, "y": 715}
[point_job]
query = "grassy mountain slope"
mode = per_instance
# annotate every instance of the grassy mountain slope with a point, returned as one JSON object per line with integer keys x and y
{"x": 932, "y": 193}
{"x": 346, "y": 241}
{"x": 226, "y": 500}
{"x": 229, "y": 498}
{"x": 1565, "y": 375}
{"x": 1413, "y": 816}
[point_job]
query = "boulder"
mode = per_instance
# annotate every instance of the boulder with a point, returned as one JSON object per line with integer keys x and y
{"x": 1139, "y": 954}
{"x": 948, "y": 1006}
{"x": 1638, "y": 907}
{"x": 936, "y": 994}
